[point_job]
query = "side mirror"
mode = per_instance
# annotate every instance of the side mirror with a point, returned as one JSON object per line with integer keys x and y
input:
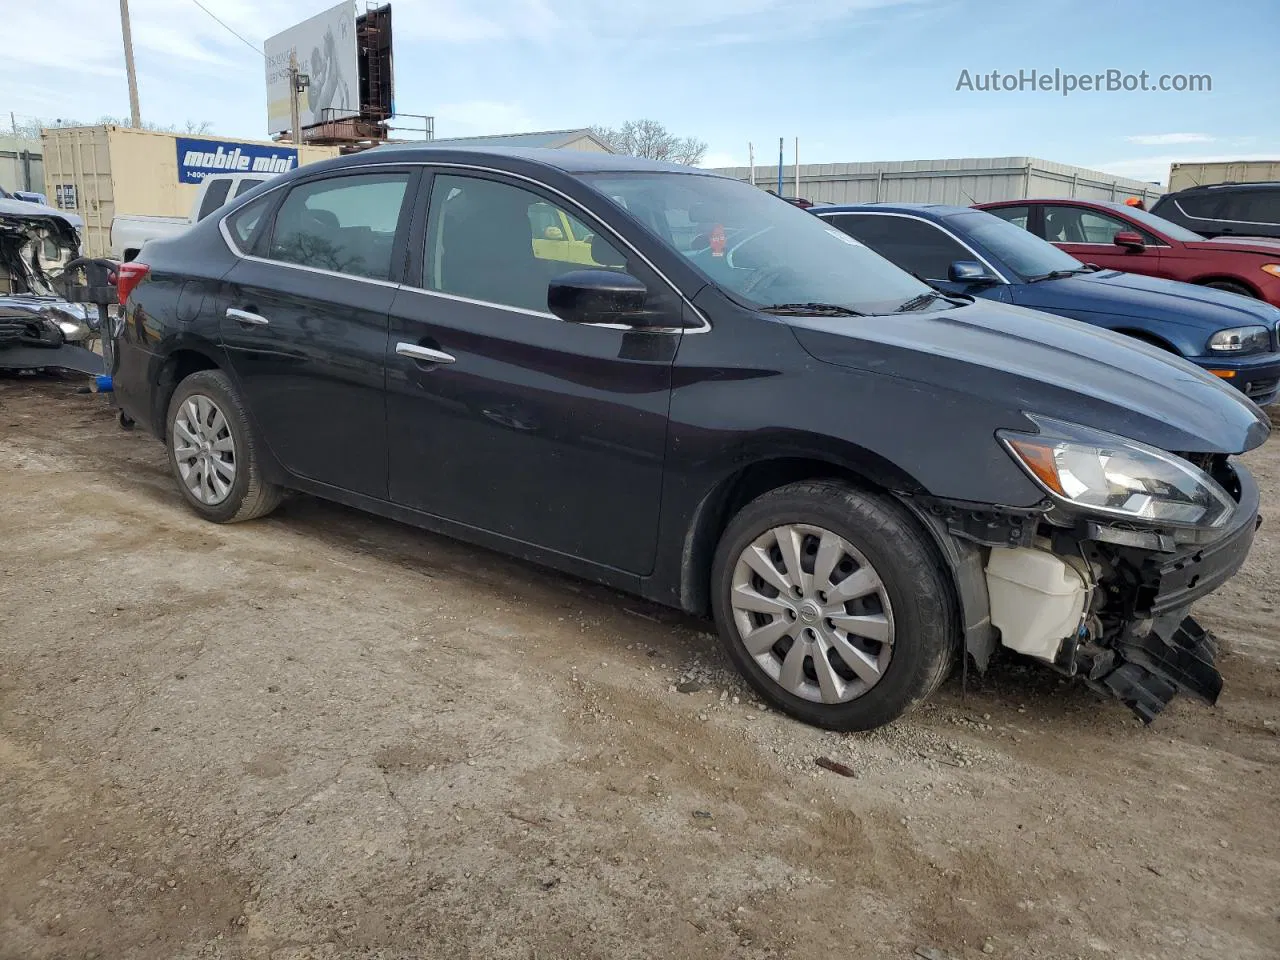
{"x": 1130, "y": 240}
{"x": 968, "y": 271}
{"x": 598, "y": 296}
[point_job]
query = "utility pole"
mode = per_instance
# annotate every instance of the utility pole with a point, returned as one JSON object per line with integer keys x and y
{"x": 797, "y": 158}
{"x": 751, "y": 161}
{"x": 297, "y": 83}
{"x": 135, "y": 114}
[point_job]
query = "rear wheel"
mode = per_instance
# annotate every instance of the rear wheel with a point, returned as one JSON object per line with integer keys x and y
{"x": 213, "y": 452}
{"x": 1230, "y": 287}
{"x": 833, "y": 605}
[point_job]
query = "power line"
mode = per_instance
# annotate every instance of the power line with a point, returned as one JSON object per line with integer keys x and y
{"x": 252, "y": 46}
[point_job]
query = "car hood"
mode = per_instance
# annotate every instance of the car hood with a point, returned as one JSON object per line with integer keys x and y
{"x": 22, "y": 209}
{"x": 1133, "y": 295}
{"x": 1261, "y": 245}
{"x": 1029, "y": 362}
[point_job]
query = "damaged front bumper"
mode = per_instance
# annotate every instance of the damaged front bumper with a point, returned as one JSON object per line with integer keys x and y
{"x": 1161, "y": 649}
{"x": 1107, "y": 604}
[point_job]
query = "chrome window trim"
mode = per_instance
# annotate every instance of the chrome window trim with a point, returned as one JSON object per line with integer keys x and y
{"x": 429, "y": 165}
{"x": 933, "y": 223}
{"x": 1191, "y": 216}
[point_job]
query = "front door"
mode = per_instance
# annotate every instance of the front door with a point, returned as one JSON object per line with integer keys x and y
{"x": 502, "y": 416}
{"x": 1089, "y": 236}
{"x": 305, "y": 326}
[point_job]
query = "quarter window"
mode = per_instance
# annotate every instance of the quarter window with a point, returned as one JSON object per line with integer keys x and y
{"x": 245, "y": 221}
{"x": 495, "y": 242}
{"x": 344, "y": 224}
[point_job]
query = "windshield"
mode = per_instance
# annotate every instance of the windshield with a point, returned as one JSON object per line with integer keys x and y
{"x": 1022, "y": 252}
{"x": 761, "y": 249}
{"x": 1168, "y": 228}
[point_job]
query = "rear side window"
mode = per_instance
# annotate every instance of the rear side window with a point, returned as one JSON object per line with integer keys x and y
{"x": 215, "y": 195}
{"x": 1252, "y": 206}
{"x": 1204, "y": 205}
{"x": 915, "y": 246}
{"x": 344, "y": 224}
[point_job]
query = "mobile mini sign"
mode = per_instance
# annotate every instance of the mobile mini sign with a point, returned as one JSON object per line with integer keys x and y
{"x": 201, "y": 158}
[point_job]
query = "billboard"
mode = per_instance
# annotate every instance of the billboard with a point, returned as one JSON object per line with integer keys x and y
{"x": 198, "y": 158}
{"x": 325, "y": 46}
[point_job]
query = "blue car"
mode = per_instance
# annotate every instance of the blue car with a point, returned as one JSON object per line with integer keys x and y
{"x": 962, "y": 250}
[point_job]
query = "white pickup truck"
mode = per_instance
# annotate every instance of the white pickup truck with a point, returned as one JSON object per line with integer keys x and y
{"x": 129, "y": 233}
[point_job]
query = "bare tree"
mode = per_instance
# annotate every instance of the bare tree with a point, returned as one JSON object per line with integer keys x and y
{"x": 650, "y": 139}
{"x": 29, "y": 127}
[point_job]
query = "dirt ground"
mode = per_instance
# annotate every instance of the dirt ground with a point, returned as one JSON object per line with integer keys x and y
{"x": 325, "y": 735}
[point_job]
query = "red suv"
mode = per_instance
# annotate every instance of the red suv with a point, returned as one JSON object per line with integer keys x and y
{"x": 1121, "y": 237}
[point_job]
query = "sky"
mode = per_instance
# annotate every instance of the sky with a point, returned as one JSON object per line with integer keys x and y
{"x": 854, "y": 80}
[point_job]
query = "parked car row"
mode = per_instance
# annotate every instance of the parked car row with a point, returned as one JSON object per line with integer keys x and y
{"x": 997, "y": 256}
{"x": 675, "y": 384}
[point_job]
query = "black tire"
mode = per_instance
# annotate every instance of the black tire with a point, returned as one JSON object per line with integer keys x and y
{"x": 250, "y": 495}
{"x": 921, "y": 593}
{"x": 1230, "y": 287}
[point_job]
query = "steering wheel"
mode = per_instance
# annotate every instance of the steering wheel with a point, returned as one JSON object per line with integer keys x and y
{"x": 765, "y": 277}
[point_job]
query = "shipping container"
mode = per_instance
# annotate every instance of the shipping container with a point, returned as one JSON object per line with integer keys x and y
{"x": 21, "y": 165}
{"x": 103, "y": 171}
{"x": 961, "y": 182}
{"x": 1183, "y": 175}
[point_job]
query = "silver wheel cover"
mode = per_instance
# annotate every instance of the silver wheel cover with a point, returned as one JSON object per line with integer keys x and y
{"x": 204, "y": 450}
{"x": 813, "y": 613}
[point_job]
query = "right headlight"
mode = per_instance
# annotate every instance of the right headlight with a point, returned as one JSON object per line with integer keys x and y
{"x": 1104, "y": 474}
{"x": 1241, "y": 340}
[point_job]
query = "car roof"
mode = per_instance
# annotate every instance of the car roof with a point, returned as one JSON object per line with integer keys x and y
{"x": 938, "y": 210}
{"x": 1207, "y": 187}
{"x": 568, "y": 161}
{"x": 1060, "y": 201}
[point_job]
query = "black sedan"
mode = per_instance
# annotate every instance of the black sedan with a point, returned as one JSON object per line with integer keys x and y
{"x": 676, "y": 384}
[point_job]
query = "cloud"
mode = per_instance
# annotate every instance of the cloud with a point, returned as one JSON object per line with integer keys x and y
{"x": 1164, "y": 139}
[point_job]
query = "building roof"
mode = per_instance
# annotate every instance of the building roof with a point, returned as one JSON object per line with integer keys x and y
{"x": 551, "y": 139}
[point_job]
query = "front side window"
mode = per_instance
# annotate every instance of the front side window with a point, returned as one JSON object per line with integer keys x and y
{"x": 502, "y": 244}
{"x": 916, "y": 246}
{"x": 1155, "y": 222}
{"x": 1082, "y": 225}
{"x": 760, "y": 249}
{"x": 344, "y": 224}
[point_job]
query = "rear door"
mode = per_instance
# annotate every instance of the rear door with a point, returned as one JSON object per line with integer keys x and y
{"x": 1089, "y": 236}
{"x": 502, "y": 416}
{"x": 304, "y": 322}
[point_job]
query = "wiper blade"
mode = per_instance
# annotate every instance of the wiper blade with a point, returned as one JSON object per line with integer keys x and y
{"x": 922, "y": 300}
{"x": 811, "y": 310}
{"x": 1058, "y": 274}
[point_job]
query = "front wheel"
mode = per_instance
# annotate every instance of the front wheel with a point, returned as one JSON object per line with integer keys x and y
{"x": 1230, "y": 287}
{"x": 833, "y": 605}
{"x": 213, "y": 451}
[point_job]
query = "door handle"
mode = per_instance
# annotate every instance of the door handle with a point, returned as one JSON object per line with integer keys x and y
{"x": 425, "y": 354}
{"x": 247, "y": 318}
